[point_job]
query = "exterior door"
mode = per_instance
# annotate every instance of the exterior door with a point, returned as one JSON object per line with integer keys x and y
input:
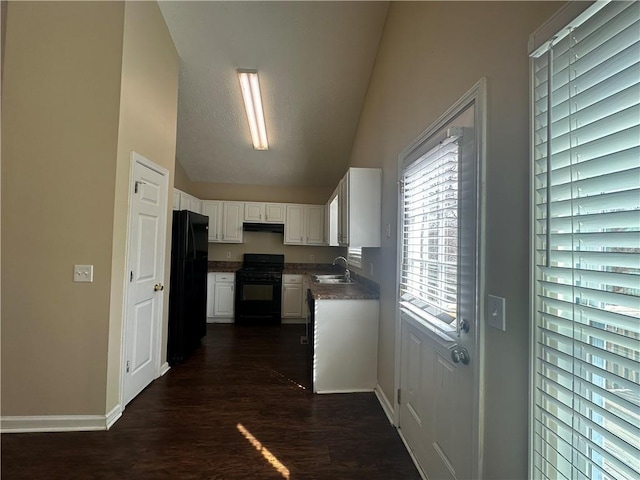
{"x": 146, "y": 257}
{"x": 440, "y": 293}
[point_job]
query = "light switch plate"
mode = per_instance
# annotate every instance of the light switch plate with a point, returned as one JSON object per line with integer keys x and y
{"x": 83, "y": 273}
{"x": 496, "y": 312}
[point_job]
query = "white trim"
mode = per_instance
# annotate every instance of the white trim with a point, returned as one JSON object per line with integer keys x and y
{"x": 164, "y": 369}
{"x": 385, "y": 404}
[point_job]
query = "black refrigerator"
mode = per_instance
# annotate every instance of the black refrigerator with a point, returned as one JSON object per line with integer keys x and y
{"x": 188, "y": 294}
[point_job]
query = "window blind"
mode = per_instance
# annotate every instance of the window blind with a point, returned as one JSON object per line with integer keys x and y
{"x": 586, "y": 166}
{"x": 429, "y": 271}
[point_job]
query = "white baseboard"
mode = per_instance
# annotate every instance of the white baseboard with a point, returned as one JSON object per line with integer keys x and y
{"x": 350, "y": 390}
{"x": 294, "y": 321}
{"x": 113, "y": 416}
{"x": 219, "y": 320}
{"x": 59, "y": 423}
{"x": 164, "y": 368}
{"x": 386, "y": 405}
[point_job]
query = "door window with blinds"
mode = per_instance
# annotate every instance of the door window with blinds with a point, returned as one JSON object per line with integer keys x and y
{"x": 438, "y": 203}
{"x": 585, "y": 365}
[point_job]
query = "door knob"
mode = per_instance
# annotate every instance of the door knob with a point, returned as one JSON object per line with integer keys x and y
{"x": 158, "y": 287}
{"x": 460, "y": 355}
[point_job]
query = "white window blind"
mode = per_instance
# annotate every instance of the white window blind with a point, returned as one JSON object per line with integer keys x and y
{"x": 429, "y": 275}
{"x": 586, "y": 165}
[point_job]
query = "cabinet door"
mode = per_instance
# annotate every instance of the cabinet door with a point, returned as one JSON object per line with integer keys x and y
{"x": 292, "y": 300}
{"x": 213, "y": 209}
{"x": 223, "y": 300}
{"x": 274, "y": 212}
{"x": 232, "y": 217}
{"x": 254, "y": 212}
{"x": 294, "y": 225}
{"x": 314, "y": 223}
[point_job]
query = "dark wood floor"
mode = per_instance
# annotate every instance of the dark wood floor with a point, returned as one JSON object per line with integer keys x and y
{"x": 240, "y": 408}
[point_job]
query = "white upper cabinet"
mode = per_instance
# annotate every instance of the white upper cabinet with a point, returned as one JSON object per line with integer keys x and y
{"x": 213, "y": 209}
{"x": 314, "y": 224}
{"x": 256, "y": 212}
{"x": 232, "y": 218}
{"x": 225, "y": 220}
{"x": 184, "y": 201}
{"x": 359, "y": 207}
{"x": 304, "y": 225}
{"x": 274, "y": 212}
{"x": 294, "y": 225}
{"x": 253, "y": 212}
{"x": 189, "y": 202}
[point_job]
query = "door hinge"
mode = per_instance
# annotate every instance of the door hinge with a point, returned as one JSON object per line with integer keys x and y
{"x": 131, "y": 276}
{"x": 138, "y": 182}
{"x": 398, "y": 396}
{"x": 128, "y": 366}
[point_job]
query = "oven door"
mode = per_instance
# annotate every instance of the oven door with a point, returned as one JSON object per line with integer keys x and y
{"x": 258, "y": 301}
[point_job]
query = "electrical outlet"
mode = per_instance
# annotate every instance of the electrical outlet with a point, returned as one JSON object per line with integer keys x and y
{"x": 83, "y": 273}
{"x": 388, "y": 230}
{"x": 312, "y": 257}
{"x": 228, "y": 254}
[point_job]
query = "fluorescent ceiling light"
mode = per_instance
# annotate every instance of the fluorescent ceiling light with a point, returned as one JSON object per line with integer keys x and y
{"x": 253, "y": 105}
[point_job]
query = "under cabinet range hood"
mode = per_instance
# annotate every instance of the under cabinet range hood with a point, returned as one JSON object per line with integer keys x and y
{"x": 263, "y": 227}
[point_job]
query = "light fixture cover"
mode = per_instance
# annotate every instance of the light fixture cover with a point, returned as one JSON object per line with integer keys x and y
{"x": 250, "y": 86}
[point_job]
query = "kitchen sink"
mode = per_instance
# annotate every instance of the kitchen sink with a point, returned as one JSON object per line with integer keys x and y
{"x": 331, "y": 279}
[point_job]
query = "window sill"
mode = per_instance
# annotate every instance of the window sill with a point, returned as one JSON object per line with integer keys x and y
{"x": 445, "y": 332}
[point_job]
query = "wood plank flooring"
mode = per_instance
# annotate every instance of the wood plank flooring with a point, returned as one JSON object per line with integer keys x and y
{"x": 239, "y": 408}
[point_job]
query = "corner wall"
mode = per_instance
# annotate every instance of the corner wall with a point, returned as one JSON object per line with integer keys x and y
{"x": 431, "y": 53}
{"x": 148, "y": 117}
{"x": 61, "y": 98}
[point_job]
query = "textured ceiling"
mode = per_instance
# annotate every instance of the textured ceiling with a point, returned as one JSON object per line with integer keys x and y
{"x": 314, "y": 60}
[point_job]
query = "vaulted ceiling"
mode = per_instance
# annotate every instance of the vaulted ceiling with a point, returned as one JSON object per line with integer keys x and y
{"x": 314, "y": 60}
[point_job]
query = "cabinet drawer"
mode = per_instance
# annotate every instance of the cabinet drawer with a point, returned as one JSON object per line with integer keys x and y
{"x": 225, "y": 277}
{"x": 292, "y": 278}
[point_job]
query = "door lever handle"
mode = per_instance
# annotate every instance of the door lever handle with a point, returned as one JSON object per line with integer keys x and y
{"x": 158, "y": 287}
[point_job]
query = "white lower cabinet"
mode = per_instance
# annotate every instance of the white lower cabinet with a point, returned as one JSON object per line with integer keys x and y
{"x": 220, "y": 297}
{"x": 293, "y": 297}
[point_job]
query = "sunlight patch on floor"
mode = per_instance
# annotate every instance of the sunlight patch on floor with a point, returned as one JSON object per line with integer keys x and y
{"x": 269, "y": 457}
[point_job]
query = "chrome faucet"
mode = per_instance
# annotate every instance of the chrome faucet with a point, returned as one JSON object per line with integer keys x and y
{"x": 347, "y": 273}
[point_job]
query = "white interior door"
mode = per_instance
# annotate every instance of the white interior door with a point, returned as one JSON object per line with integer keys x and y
{"x": 146, "y": 257}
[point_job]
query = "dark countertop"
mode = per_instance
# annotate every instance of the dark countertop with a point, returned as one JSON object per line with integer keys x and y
{"x": 361, "y": 289}
{"x": 349, "y": 291}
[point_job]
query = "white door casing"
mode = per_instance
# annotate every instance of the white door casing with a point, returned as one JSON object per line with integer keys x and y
{"x": 144, "y": 291}
{"x": 439, "y": 412}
